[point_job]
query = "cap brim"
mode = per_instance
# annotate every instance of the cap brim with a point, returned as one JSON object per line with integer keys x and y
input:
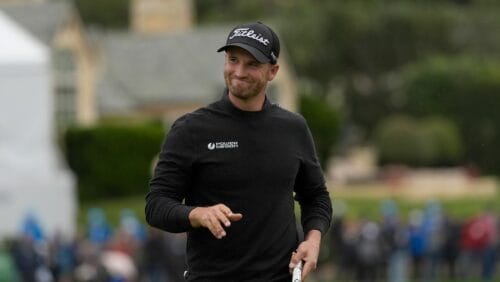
{"x": 258, "y": 55}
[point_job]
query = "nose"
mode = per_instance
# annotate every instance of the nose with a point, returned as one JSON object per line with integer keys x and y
{"x": 239, "y": 70}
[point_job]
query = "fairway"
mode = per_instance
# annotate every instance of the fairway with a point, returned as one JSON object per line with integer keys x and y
{"x": 460, "y": 200}
{"x": 358, "y": 201}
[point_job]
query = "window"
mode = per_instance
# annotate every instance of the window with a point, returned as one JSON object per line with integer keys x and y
{"x": 65, "y": 88}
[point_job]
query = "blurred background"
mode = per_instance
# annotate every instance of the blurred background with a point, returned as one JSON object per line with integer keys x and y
{"x": 401, "y": 96}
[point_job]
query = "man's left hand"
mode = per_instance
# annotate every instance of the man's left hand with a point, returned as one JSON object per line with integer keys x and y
{"x": 308, "y": 252}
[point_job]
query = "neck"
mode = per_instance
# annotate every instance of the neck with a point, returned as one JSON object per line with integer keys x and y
{"x": 253, "y": 104}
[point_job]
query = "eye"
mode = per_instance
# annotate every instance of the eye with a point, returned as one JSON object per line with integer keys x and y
{"x": 254, "y": 64}
{"x": 232, "y": 59}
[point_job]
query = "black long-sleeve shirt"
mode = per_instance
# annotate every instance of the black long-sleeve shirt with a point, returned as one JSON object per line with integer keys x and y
{"x": 252, "y": 162}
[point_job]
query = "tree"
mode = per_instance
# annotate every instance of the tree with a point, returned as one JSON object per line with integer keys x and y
{"x": 432, "y": 141}
{"x": 324, "y": 123}
{"x": 464, "y": 89}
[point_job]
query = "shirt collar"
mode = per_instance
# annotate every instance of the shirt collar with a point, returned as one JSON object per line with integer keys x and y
{"x": 230, "y": 107}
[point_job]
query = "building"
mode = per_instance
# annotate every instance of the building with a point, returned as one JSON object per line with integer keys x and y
{"x": 166, "y": 66}
{"x": 162, "y": 67}
{"x": 57, "y": 25}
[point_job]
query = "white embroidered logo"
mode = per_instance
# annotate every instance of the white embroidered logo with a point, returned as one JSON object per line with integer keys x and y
{"x": 222, "y": 145}
{"x": 250, "y": 33}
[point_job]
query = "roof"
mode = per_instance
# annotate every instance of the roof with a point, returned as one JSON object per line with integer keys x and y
{"x": 19, "y": 47}
{"x": 40, "y": 19}
{"x": 177, "y": 68}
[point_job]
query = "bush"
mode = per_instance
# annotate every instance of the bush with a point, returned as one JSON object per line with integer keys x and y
{"x": 465, "y": 90}
{"x": 397, "y": 141}
{"x": 112, "y": 160}
{"x": 446, "y": 140}
{"x": 429, "y": 142}
{"x": 324, "y": 123}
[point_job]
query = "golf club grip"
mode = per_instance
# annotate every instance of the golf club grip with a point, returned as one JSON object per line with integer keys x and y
{"x": 297, "y": 273}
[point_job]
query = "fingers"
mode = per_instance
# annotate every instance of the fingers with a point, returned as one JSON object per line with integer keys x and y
{"x": 294, "y": 260}
{"x": 308, "y": 255}
{"x": 235, "y": 216}
{"x": 308, "y": 267}
{"x": 221, "y": 217}
{"x": 214, "y": 218}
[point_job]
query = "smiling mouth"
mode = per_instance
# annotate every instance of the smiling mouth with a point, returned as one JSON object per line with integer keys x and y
{"x": 240, "y": 81}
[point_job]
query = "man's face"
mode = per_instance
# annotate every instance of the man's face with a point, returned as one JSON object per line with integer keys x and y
{"x": 246, "y": 77}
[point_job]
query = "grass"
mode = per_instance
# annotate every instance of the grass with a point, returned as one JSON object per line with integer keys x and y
{"x": 371, "y": 207}
{"x": 365, "y": 201}
{"x": 112, "y": 208}
{"x": 356, "y": 206}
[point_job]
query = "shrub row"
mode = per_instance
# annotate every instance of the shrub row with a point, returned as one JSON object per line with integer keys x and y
{"x": 432, "y": 141}
{"x": 466, "y": 90}
{"x": 112, "y": 160}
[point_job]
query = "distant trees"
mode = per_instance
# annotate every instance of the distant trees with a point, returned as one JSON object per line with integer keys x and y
{"x": 380, "y": 58}
{"x": 324, "y": 122}
{"x": 421, "y": 59}
{"x": 466, "y": 90}
{"x": 432, "y": 141}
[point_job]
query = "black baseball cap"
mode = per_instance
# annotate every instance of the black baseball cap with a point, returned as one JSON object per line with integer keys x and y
{"x": 258, "y": 39}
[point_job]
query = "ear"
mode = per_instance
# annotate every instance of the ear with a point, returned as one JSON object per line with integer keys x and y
{"x": 273, "y": 70}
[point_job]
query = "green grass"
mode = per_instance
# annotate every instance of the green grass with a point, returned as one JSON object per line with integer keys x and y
{"x": 458, "y": 208}
{"x": 357, "y": 207}
{"x": 112, "y": 208}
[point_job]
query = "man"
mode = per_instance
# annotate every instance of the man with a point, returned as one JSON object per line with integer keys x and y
{"x": 227, "y": 173}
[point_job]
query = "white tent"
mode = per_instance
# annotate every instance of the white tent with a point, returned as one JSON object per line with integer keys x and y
{"x": 33, "y": 179}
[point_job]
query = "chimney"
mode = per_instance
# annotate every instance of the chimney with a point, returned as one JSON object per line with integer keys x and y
{"x": 160, "y": 16}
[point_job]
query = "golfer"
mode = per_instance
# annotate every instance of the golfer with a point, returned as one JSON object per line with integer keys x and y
{"x": 228, "y": 175}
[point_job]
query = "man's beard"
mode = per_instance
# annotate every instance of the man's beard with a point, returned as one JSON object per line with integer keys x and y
{"x": 244, "y": 93}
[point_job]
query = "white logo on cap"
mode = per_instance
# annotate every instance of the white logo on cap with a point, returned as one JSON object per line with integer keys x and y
{"x": 250, "y": 33}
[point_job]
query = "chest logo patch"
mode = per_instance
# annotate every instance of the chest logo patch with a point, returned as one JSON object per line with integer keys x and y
{"x": 222, "y": 145}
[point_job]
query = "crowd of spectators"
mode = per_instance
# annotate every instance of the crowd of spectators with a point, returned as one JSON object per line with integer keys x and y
{"x": 426, "y": 245}
{"x": 130, "y": 252}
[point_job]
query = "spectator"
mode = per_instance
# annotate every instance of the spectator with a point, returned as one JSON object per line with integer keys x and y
{"x": 99, "y": 231}
{"x": 131, "y": 225}
{"x": 416, "y": 242}
{"x": 432, "y": 225}
{"x": 155, "y": 257}
{"x": 479, "y": 239}
{"x": 394, "y": 237}
{"x": 451, "y": 245}
{"x": 368, "y": 252}
{"x": 25, "y": 257}
{"x": 347, "y": 252}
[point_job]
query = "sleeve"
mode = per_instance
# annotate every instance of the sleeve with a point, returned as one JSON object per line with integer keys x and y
{"x": 171, "y": 180}
{"x": 310, "y": 188}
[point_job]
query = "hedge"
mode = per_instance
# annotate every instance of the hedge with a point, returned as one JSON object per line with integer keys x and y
{"x": 112, "y": 160}
{"x": 323, "y": 121}
{"x": 433, "y": 141}
{"x": 466, "y": 90}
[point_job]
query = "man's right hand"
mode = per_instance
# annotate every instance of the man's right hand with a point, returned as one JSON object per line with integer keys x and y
{"x": 213, "y": 218}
